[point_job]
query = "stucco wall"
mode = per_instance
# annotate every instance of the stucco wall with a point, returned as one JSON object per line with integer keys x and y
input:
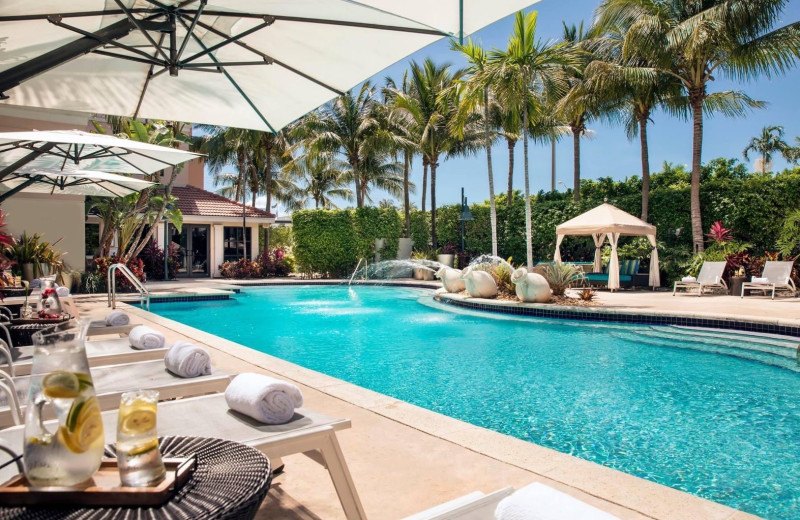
{"x": 55, "y": 217}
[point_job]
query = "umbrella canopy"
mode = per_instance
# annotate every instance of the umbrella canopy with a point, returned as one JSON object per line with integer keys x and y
{"x": 609, "y": 221}
{"x": 76, "y": 150}
{"x": 243, "y": 63}
{"x": 95, "y": 184}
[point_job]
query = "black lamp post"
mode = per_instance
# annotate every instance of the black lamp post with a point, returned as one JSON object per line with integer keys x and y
{"x": 466, "y": 214}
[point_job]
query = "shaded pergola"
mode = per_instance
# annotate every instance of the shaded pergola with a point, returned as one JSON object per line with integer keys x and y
{"x": 608, "y": 221}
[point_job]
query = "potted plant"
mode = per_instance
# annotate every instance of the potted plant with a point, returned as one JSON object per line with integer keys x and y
{"x": 447, "y": 255}
{"x": 25, "y": 253}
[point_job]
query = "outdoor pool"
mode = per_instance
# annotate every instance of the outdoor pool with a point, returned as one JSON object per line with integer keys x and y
{"x": 629, "y": 397}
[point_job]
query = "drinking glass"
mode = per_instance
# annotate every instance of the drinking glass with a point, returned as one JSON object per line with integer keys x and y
{"x": 60, "y": 379}
{"x": 138, "y": 457}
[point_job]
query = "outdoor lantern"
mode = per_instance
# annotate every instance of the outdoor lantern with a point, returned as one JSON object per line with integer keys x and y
{"x": 466, "y": 214}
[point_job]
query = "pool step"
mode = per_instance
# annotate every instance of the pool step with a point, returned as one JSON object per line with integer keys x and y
{"x": 745, "y": 346}
{"x": 777, "y": 340}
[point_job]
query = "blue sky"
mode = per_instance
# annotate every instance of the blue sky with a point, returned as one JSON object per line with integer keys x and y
{"x": 608, "y": 153}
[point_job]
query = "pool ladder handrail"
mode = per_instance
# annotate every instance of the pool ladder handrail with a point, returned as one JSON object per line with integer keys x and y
{"x": 360, "y": 260}
{"x": 144, "y": 294}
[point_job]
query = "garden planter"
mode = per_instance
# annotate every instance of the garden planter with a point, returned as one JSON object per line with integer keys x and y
{"x": 479, "y": 284}
{"x": 446, "y": 259}
{"x": 404, "y": 248}
{"x": 530, "y": 287}
{"x": 27, "y": 272}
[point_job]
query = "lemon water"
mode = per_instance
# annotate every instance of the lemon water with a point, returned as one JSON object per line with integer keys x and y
{"x": 138, "y": 456}
{"x": 69, "y": 453}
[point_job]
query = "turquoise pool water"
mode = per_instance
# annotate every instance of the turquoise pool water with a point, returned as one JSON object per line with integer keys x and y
{"x": 718, "y": 426}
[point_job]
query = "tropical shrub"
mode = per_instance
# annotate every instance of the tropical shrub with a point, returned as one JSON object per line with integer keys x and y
{"x": 560, "y": 276}
{"x": 152, "y": 257}
{"x": 274, "y": 263}
{"x": 101, "y": 266}
{"x": 240, "y": 269}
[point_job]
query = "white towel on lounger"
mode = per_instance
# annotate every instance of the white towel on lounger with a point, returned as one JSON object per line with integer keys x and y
{"x": 62, "y": 291}
{"x": 117, "y": 318}
{"x": 539, "y": 502}
{"x": 688, "y": 279}
{"x": 187, "y": 360}
{"x": 143, "y": 337}
{"x": 760, "y": 280}
{"x": 263, "y": 398}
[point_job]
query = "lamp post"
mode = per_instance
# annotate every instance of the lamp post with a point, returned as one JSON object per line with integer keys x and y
{"x": 466, "y": 214}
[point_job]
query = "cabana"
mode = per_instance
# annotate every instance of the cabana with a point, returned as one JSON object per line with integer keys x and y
{"x": 609, "y": 221}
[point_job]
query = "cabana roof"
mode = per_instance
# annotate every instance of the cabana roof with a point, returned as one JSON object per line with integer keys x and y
{"x": 606, "y": 219}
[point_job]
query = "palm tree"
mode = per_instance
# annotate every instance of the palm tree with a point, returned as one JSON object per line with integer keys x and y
{"x": 630, "y": 96}
{"x": 477, "y": 96}
{"x": 580, "y": 104}
{"x": 695, "y": 40}
{"x": 348, "y": 125}
{"x": 431, "y": 106}
{"x": 522, "y": 72}
{"x": 324, "y": 177}
{"x": 508, "y": 122}
{"x": 379, "y": 170}
{"x": 769, "y": 142}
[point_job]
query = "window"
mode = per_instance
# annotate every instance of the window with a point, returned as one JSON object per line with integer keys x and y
{"x": 232, "y": 244}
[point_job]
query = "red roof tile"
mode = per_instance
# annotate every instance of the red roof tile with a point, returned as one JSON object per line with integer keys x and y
{"x": 194, "y": 201}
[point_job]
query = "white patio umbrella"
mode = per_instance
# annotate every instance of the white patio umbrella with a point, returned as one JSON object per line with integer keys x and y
{"x": 256, "y": 64}
{"x": 95, "y": 184}
{"x": 76, "y": 150}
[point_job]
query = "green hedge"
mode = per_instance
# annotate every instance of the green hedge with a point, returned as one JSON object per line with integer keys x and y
{"x": 329, "y": 242}
{"x": 754, "y": 206}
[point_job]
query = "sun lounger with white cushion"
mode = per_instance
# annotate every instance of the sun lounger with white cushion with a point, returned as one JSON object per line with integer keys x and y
{"x": 112, "y": 380}
{"x": 100, "y": 353}
{"x": 310, "y": 433}
{"x": 776, "y": 275}
{"x": 710, "y": 277}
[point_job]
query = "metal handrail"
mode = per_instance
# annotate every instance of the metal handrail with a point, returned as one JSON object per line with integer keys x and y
{"x": 144, "y": 294}
{"x": 356, "y": 270}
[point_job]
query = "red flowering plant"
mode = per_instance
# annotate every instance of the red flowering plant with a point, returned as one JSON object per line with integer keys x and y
{"x": 6, "y": 241}
{"x": 720, "y": 235}
{"x": 725, "y": 247}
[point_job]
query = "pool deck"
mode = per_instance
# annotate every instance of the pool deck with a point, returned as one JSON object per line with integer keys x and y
{"x": 405, "y": 459}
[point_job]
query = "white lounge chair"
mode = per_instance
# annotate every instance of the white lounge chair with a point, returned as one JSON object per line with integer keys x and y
{"x": 308, "y": 432}
{"x": 18, "y": 360}
{"x": 709, "y": 277}
{"x": 541, "y": 501}
{"x": 778, "y": 275}
{"x": 111, "y": 381}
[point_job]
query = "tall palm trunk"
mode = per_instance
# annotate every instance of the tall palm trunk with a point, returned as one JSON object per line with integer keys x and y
{"x": 512, "y": 143}
{"x": 357, "y": 179}
{"x": 528, "y": 230}
{"x": 492, "y": 208}
{"x": 696, "y": 96}
{"x": 424, "y": 181}
{"x": 406, "y": 203}
{"x": 268, "y": 187}
{"x": 434, "y": 241}
{"x": 576, "y": 164}
{"x": 645, "y": 165}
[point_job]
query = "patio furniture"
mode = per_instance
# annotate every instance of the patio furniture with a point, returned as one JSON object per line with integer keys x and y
{"x": 628, "y": 275}
{"x": 99, "y": 352}
{"x": 776, "y": 275}
{"x": 709, "y": 277}
{"x": 309, "y": 432}
{"x": 229, "y": 482}
{"x": 111, "y": 381}
{"x": 535, "y": 500}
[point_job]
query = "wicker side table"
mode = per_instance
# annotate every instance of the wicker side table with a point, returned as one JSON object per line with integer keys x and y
{"x": 229, "y": 482}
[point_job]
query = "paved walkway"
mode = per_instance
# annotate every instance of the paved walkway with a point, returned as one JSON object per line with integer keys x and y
{"x": 405, "y": 459}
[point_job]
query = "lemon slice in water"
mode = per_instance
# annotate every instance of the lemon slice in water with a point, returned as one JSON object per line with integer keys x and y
{"x": 137, "y": 418}
{"x": 84, "y": 425}
{"x": 61, "y": 384}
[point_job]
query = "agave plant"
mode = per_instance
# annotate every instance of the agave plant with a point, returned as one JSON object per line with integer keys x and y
{"x": 560, "y": 276}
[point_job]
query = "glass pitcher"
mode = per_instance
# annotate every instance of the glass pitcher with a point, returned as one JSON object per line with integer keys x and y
{"x": 69, "y": 452}
{"x": 49, "y": 303}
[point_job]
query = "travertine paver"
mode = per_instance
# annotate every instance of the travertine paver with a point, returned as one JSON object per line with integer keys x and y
{"x": 405, "y": 459}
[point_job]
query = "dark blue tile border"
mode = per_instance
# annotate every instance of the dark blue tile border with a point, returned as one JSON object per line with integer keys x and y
{"x": 192, "y": 298}
{"x": 339, "y": 282}
{"x": 643, "y": 319}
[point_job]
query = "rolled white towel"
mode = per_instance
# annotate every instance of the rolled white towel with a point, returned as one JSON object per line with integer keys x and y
{"x": 539, "y": 502}
{"x": 143, "y": 337}
{"x": 187, "y": 360}
{"x": 263, "y": 398}
{"x": 117, "y": 318}
{"x": 756, "y": 279}
{"x": 62, "y": 291}
{"x": 688, "y": 279}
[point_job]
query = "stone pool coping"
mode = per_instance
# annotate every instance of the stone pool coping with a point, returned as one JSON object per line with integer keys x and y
{"x": 625, "y": 493}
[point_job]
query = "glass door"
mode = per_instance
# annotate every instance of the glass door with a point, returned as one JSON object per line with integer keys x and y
{"x": 193, "y": 250}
